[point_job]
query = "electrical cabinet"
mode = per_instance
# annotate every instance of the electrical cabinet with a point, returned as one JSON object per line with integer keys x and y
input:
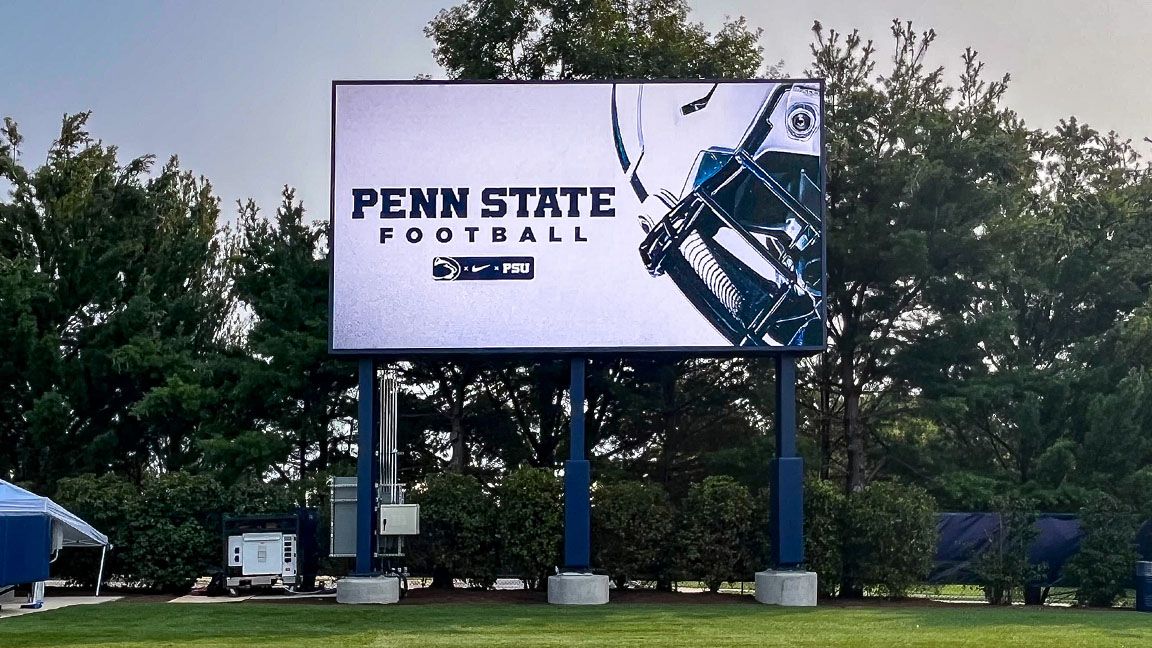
{"x": 399, "y": 519}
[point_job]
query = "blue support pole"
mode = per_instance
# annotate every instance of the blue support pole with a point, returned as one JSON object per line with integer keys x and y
{"x": 786, "y": 515}
{"x": 365, "y": 467}
{"x": 577, "y": 481}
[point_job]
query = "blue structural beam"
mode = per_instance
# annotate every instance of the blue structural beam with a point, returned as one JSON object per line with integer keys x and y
{"x": 577, "y": 481}
{"x": 786, "y": 515}
{"x": 366, "y": 467}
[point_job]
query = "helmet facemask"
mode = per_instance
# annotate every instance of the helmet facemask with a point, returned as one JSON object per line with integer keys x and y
{"x": 743, "y": 242}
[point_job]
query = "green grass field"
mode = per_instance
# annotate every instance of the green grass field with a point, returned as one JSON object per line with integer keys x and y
{"x": 127, "y": 625}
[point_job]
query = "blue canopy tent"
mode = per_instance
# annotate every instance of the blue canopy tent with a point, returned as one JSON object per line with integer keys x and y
{"x": 33, "y": 529}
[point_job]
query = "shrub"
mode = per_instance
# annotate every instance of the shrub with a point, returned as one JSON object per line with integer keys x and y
{"x": 531, "y": 523}
{"x": 169, "y": 555}
{"x": 457, "y": 531}
{"x": 631, "y": 530}
{"x": 890, "y": 539}
{"x": 1104, "y": 566}
{"x": 175, "y": 536}
{"x": 718, "y": 530}
{"x": 824, "y": 505}
{"x": 1002, "y": 566}
{"x": 108, "y": 503}
{"x": 760, "y": 543}
{"x": 165, "y": 533}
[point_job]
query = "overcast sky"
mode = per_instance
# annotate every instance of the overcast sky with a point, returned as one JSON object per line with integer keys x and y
{"x": 240, "y": 89}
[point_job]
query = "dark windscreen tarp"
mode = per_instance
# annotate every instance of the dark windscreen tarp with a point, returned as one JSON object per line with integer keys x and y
{"x": 964, "y": 536}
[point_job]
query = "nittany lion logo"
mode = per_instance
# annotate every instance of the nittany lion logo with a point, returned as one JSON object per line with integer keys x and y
{"x": 445, "y": 269}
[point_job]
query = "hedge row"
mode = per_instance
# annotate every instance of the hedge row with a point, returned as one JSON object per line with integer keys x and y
{"x": 166, "y": 530}
{"x": 471, "y": 534}
{"x": 166, "y": 533}
{"x": 882, "y": 539}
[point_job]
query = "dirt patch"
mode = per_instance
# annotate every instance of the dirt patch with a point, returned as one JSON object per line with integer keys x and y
{"x": 652, "y": 596}
{"x": 428, "y": 595}
{"x": 421, "y": 595}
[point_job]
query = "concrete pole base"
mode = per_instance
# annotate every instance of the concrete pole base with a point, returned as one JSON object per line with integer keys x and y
{"x": 787, "y": 588}
{"x": 358, "y": 590}
{"x": 571, "y": 588}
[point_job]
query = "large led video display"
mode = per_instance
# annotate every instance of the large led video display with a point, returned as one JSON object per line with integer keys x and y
{"x": 577, "y": 217}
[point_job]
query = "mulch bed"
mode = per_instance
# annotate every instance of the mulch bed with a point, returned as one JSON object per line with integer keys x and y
{"x": 427, "y": 595}
{"x": 430, "y": 596}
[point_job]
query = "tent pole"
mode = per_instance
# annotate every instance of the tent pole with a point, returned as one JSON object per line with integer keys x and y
{"x": 100, "y": 575}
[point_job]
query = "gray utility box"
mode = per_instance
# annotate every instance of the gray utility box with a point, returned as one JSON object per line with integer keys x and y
{"x": 398, "y": 519}
{"x": 343, "y": 539}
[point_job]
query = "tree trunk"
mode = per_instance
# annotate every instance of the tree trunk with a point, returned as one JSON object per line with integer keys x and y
{"x": 853, "y": 430}
{"x": 325, "y": 452}
{"x": 174, "y": 459}
{"x": 303, "y": 455}
{"x": 825, "y": 419}
{"x": 459, "y": 461}
{"x": 667, "y": 424}
{"x": 850, "y": 588}
{"x": 459, "y": 448}
{"x": 850, "y": 591}
{"x": 441, "y": 579}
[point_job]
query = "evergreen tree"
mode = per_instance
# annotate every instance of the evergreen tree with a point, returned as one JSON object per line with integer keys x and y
{"x": 115, "y": 292}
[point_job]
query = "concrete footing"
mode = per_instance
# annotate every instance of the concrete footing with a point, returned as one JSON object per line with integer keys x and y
{"x": 571, "y": 588}
{"x": 368, "y": 589}
{"x": 787, "y": 588}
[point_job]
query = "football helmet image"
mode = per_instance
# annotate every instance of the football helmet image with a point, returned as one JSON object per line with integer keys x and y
{"x": 733, "y": 177}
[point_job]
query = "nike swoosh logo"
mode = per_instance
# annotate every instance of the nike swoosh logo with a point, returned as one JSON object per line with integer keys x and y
{"x": 479, "y": 268}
